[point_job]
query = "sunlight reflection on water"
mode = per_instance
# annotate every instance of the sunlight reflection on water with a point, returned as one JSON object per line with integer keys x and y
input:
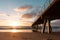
{"x": 14, "y": 30}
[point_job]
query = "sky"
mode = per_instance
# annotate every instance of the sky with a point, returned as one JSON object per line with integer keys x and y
{"x": 20, "y": 12}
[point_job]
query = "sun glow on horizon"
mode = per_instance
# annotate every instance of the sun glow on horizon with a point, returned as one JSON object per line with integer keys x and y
{"x": 14, "y": 24}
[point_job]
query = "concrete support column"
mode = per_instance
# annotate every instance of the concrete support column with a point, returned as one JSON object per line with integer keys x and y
{"x": 44, "y": 24}
{"x": 49, "y": 26}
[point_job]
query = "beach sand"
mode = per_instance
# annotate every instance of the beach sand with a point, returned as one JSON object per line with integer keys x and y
{"x": 29, "y": 36}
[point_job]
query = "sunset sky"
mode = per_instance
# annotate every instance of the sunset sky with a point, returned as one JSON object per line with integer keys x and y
{"x": 21, "y": 12}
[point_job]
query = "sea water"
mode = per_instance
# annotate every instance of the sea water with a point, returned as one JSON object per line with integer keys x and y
{"x": 26, "y": 29}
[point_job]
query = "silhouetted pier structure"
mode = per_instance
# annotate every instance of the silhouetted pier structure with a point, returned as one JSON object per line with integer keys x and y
{"x": 51, "y": 13}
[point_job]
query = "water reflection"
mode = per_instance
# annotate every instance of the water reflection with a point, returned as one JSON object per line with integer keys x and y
{"x": 15, "y": 31}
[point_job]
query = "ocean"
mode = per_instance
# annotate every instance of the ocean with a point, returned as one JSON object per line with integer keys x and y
{"x": 25, "y": 29}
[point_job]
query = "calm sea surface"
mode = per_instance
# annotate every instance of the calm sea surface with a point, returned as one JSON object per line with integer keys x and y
{"x": 25, "y": 29}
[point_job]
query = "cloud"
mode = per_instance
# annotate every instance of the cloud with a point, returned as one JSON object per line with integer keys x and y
{"x": 32, "y": 14}
{"x": 55, "y": 23}
{"x": 27, "y": 24}
{"x": 34, "y": 11}
{"x": 29, "y": 15}
{"x": 23, "y": 8}
{"x": 5, "y": 17}
{"x": 3, "y": 14}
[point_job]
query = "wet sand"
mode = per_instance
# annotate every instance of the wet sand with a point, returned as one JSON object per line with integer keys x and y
{"x": 29, "y": 36}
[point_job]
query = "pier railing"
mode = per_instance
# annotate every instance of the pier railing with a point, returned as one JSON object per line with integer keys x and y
{"x": 46, "y": 4}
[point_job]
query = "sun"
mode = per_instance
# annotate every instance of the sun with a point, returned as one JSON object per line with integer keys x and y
{"x": 14, "y": 24}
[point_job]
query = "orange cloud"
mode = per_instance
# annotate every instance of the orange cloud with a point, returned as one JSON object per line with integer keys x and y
{"x": 23, "y": 8}
{"x": 27, "y": 16}
{"x": 26, "y": 23}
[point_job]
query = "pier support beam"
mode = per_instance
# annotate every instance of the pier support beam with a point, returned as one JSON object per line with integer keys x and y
{"x": 49, "y": 26}
{"x": 44, "y": 24}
